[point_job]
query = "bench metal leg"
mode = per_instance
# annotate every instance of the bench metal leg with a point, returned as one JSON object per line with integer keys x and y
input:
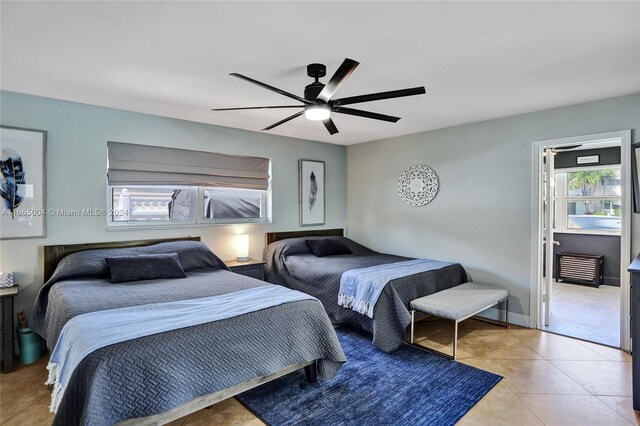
{"x": 413, "y": 321}
{"x": 506, "y": 312}
{"x": 455, "y": 338}
{"x": 459, "y": 320}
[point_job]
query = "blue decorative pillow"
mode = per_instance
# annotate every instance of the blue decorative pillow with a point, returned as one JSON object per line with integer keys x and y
{"x": 144, "y": 267}
{"x": 327, "y": 247}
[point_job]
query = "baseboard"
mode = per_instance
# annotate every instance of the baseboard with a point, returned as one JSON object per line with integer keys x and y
{"x": 498, "y": 315}
{"x": 612, "y": 281}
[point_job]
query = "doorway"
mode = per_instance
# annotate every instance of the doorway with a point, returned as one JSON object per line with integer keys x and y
{"x": 581, "y": 237}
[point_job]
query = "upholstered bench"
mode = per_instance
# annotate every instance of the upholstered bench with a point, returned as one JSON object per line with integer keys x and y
{"x": 459, "y": 303}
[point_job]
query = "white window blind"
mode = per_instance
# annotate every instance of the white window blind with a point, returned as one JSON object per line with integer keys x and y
{"x": 131, "y": 164}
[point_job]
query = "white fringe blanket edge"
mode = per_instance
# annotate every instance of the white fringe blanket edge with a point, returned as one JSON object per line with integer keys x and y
{"x": 355, "y": 304}
{"x": 58, "y": 391}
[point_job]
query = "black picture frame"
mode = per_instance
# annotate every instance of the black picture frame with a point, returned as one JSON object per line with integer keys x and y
{"x": 635, "y": 175}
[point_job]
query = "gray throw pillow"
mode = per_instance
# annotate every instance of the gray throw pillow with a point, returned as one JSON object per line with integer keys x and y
{"x": 144, "y": 267}
{"x": 328, "y": 247}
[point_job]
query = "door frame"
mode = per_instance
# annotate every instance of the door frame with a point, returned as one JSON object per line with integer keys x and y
{"x": 548, "y": 188}
{"x": 535, "y": 289}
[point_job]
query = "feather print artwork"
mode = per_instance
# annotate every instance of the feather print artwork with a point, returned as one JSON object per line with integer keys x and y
{"x": 14, "y": 179}
{"x": 313, "y": 190}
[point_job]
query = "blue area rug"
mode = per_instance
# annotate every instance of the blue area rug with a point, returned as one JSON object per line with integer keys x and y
{"x": 407, "y": 387}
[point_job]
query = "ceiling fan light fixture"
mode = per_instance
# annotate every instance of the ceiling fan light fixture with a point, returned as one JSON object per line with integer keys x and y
{"x": 317, "y": 113}
{"x": 318, "y": 103}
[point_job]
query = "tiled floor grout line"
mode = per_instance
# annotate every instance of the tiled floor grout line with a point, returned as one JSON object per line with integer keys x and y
{"x": 555, "y": 367}
{"x": 613, "y": 408}
{"x": 583, "y": 343}
{"x": 507, "y": 384}
{"x": 597, "y": 396}
{"x": 591, "y": 393}
{"x": 528, "y": 408}
{"x": 543, "y": 359}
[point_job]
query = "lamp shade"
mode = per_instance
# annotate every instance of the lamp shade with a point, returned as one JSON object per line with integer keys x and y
{"x": 242, "y": 247}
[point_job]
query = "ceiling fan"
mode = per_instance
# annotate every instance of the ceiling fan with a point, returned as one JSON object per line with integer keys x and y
{"x": 318, "y": 102}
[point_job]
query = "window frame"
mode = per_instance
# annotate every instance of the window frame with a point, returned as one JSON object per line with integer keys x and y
{"x": 197, "y": 216}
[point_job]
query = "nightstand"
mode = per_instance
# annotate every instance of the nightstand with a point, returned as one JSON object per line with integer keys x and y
{"x": 251, "y": 268}
{"x": 7, "y": 326}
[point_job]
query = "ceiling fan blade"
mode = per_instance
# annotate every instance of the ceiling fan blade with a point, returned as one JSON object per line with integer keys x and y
{"x": 291, "y": 117}
{"x": 366, "y": 114}
{"x": 258, "y": 107}
{"x": 268, "y": 87}
{"x": 345, "y": 70}
{"x": 382, "y": 95}
{"x": 331, "y": 127}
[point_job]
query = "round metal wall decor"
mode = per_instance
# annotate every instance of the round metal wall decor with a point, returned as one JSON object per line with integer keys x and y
{"x": 418, "y": 185}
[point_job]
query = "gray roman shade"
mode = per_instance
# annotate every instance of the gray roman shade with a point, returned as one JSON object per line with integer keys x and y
{"x": 131, "y": 164}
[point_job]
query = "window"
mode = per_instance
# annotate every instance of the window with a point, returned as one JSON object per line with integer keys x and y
{"x": 588, "y": 200}
{"x": 164, "y": 205}
{"x": 155, "y": 186}
{"x": 228, "y": 205}
{"x": 151, "y": 204}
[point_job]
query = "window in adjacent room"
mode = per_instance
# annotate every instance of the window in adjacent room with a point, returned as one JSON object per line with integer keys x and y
{"x": 588, "y": 200}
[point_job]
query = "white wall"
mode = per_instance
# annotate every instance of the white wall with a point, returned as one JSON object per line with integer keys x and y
{"x": 76, "y": 173}
{"x": 481, "y": 216}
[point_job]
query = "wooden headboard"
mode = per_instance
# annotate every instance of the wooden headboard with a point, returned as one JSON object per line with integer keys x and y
{"x": 272, "y": 237}
{"x": 54, "y": 254}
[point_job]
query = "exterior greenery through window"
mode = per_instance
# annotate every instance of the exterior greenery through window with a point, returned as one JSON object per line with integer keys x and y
{"x": 588, "y": 200}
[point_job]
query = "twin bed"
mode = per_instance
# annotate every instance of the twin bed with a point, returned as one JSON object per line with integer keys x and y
{"x": 291, "y": 263}
{"x": 156, "y": 378}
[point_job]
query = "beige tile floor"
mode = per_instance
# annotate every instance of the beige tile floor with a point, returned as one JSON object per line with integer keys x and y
{"x": 549, "y": 379}
{"x": 586, "y": 312}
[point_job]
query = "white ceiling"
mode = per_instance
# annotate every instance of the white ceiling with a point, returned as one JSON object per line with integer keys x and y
{"x": 478, "y": 60}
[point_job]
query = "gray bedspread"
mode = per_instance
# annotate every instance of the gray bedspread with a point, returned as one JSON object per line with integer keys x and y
{"x": 290, "y": 263}
{"x": 156, "y": 373}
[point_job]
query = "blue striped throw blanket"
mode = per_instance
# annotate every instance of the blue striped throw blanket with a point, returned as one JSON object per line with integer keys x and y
{"x": 89, "y": 332}
{"x": 361, "y": 288}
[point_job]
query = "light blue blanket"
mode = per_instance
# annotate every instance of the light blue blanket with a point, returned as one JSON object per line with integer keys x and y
{"x": 89, "y": 332}
{"x": 361, "y": 288}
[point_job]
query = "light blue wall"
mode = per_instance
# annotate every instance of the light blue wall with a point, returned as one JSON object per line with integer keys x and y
{"x": 76, "y": 162}
{"x": 481, "y": 216}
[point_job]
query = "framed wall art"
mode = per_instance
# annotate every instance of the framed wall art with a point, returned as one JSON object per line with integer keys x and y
{"x": 311, "y": 192}
{"x": 22, "y": 182}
